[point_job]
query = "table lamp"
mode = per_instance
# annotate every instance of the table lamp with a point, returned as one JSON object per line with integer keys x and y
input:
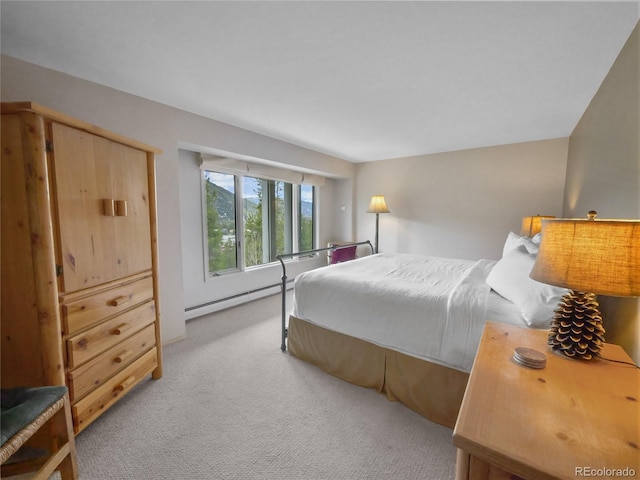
{"x": 377, "y": 206}
{"x": 532, "y": 225}
{"x": 589, "y": 257}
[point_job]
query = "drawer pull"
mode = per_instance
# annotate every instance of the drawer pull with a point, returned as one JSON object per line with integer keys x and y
{"x": 116, "y": 302}
{"x": 124, "y": 355}
{"x": 121, "y": 208}
{"x": 109, "y": 207}
{"x": 120, "y": 329}
{"x": 127, "y": 383}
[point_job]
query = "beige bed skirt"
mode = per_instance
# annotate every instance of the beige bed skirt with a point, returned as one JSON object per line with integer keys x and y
{"x": 430, "y": 389}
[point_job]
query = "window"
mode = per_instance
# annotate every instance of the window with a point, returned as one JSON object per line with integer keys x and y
{"x": 306, "y": 215}
{"x": 276, "y": 215}
{"x": 221, "y": 241}
{"x": 267, "y": 220}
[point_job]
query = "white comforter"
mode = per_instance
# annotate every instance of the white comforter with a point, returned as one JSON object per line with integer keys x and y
{"x": 427, "y": 307}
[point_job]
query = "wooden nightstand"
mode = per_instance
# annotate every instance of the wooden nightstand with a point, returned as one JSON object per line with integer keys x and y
{"x": 571, "y": 419}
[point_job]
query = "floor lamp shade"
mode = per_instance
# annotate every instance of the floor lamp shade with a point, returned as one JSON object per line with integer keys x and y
{"x": 378, "y": 205}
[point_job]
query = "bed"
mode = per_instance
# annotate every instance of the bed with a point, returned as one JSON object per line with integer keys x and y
{"x": 409, "y": 325}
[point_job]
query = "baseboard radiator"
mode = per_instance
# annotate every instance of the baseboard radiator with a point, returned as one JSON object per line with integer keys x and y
{"x": 233, "y": 300}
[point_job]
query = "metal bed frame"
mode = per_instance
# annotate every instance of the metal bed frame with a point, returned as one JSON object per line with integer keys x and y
{"x": 283, "y": 286}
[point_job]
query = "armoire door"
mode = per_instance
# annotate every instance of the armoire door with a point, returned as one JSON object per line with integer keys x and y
{"x": 130, "y": 191}
{"x": 101, "y": 199}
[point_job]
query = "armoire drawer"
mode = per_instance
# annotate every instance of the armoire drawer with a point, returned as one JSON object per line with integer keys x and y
{"x": 92, "y": 342}
{"x": 90, "y": 407}
{"x": 82, "y": 309}
{"x": 92, "y": 374}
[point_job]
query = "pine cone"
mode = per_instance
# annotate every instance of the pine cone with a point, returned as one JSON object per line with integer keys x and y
{"x": 576, "y": 328}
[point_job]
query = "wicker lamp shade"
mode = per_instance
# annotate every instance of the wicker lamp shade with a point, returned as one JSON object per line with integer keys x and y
{"x": 598, "y": 256}
{"x": 532, "y": 225}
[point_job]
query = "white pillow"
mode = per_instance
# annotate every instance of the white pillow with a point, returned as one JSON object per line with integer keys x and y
{"x": 533, "y": 244}
{"x": 518, "y": 242}
{"x": 510, "y": 278}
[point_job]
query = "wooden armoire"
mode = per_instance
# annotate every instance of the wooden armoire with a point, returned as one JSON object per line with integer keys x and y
{"x": 79, "y": 259}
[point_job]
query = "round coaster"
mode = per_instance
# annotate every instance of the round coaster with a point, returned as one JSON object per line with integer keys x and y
{"x": 529, "y": 357}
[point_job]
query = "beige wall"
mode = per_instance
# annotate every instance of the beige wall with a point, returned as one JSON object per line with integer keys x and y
{"x": 461, "y": 204}
{"x": 603, "y": 169}
{"x": 603, "y": 172}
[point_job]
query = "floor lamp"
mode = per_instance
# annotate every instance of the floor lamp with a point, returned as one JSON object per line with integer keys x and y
{"x": 377, "y": 206}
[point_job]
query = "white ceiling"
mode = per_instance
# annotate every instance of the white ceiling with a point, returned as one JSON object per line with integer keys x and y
{"x": 358, "y": 80}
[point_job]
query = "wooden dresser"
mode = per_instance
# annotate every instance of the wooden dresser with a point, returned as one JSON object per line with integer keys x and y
{"x": 79, "y": 259}
{"x": 571, "y": 419}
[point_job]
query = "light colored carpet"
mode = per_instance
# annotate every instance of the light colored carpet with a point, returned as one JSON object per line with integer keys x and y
{"x": 231, "y": 405}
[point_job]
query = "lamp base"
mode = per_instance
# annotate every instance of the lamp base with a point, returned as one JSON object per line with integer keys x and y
{"x": 576, "y": 329}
